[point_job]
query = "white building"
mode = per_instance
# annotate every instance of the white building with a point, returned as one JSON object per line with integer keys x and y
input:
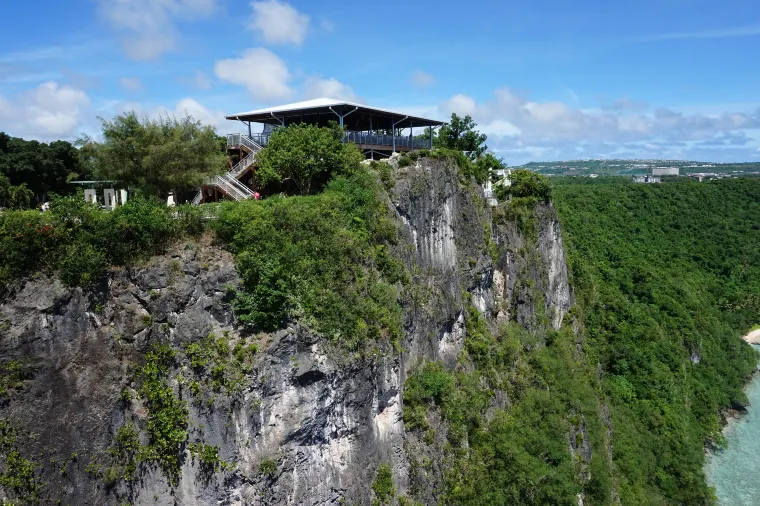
{"x": 665, "y": 171}
{"x": 500, "y": 177}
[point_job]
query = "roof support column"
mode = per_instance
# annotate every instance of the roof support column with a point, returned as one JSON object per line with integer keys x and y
{"x": 340, "y": 117}
{"x": 393, "y": 130}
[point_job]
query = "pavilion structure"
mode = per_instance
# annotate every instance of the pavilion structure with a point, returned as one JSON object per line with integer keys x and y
{"x": 377, "y": 132}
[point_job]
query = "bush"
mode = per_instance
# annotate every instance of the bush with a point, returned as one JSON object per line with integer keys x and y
{"x": 383, "y": 485}
{"x": 268, "y": 467}
{"x": 79, "y": 241}
{"x": 525, "y": 184}
{"x": 319, "y": 259}
{"x": 302, "y": 158}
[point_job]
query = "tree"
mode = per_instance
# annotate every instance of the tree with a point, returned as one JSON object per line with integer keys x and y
{"x": 460, "y": 134}
{"x": 525, "y": 183}
{"x": 44, "y": 168}
{"x": 155, "y": 156}
{"x": 20, "y": 197}
{"x": 5, "y": 190}
{"x": 305, "y": 157}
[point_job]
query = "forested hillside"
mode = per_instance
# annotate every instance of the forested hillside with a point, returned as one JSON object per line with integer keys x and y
{"x": 666, "y": 277}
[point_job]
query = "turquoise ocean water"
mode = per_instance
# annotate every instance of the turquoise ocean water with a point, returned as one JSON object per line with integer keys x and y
{"x": 735, "y": 471}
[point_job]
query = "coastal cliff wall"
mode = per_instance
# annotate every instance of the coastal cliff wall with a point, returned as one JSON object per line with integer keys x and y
{"x": 282, "y": 418}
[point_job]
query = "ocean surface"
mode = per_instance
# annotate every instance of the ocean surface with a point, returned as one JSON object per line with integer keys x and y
{"x": 735, "y": 471}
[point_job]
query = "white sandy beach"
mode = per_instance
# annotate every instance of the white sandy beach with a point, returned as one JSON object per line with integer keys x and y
{"x": 753, "y": 337}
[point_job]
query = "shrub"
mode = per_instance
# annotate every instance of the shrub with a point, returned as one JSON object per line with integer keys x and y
{"x": 303, "y": 158}
{"x": 268, "y": 467}
{"x": 316, "y": 258}
{"x": 79, "y": 241}
{"x": 525, "y": 184}
{"x": 383, "y": 485}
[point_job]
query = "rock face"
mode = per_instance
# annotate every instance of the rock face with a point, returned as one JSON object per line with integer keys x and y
{"x": 307, "y": 423}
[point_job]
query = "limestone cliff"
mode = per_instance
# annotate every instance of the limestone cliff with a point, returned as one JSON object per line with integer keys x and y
{"x": 295, "y": 420}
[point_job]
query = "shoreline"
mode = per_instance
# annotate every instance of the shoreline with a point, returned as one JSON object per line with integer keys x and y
{"x": 753, "y": 337}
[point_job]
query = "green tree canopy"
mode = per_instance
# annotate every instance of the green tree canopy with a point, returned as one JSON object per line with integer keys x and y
{"x": 305, "y": 157}
{"x": 460, "y": 134}
{"x": 155, "y": 156}
{"x": 44, "y": 168}
{"x": 525, "y": 183}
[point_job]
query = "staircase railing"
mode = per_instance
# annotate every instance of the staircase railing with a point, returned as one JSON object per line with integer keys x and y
{"x": 242, "y": 165}
{"x": 253, "y": 142}
{"x": 198, "y": 197}
{"x": 227, "y": 187}
{"x": 240, "y": 187}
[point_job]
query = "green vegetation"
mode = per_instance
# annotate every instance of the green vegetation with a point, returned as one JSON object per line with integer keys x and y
{"x": 18, "y": 479}
{"x": 459, "y": 134}
{"x": 302, "y": 158}
{"x": 79, "y": 242}
{"x": 458, "y": 140}
{"x": 31, "y": 171}
{"x": 666, "y": 278}
{"x": 383, "y": 486}
{"x": 12, "y": 376}
{"x": 217, "y": 367}
{"x": 154, "y": 156}
{"x": 208, "y": 456}
{"x": 518, "y": 454}
{"x": 525, "y": 184}
{"x": 324, "y": 259}
{"x": 167, "y": 419}
{"x": 268, "y": 467}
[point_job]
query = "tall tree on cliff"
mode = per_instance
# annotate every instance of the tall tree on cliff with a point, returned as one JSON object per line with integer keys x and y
{"x": 460, "y": 134}
{"x": 154, "y": 156}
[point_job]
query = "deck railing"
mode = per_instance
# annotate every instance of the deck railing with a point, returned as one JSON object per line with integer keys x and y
{"x": 362, "y": 138}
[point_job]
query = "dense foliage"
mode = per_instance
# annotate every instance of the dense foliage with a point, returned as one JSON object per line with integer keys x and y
{"x": 525, "y": 183}
{"x": 323, "y": 259}
{"x": 666, "y": 277}
{"x": 80, "y": 242}
{"x": 302, "y": 158}
{"x": 459, "y": 134}
{"x": 518, "y": 453}
{"x": 154, "y": 156}
{"x": 31, "y": 170}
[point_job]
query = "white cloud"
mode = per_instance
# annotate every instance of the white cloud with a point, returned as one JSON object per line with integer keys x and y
{"x": 149, "y": 27}
{"x": 317, "y": 87}
{"x": 519, "y": 127}
{"x": 279, "y": 22}
{"x": 326, "y": 25}
{"x": 722, "y": 33}
{"x": 49, "y": 112}
{"x": 261, "y": 71}
{"x": 202, "y": 81}
{"x": 131, "y": 83}
{"x": 422, "y": 79}
{"x": 460, "y": 104}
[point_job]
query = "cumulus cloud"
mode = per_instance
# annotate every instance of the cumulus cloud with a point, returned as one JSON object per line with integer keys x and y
{"x": 131, "y": 83}
{"x": 317, "y": 87}
{"x": 263, "y": 73}
{"x": 459, "y": 104}
{"x": 149, "y": 27}
{"x": 526, "y": 128}
{"x": 48, "y": 112}
{"x": 279, "y": 22}
{"x": 422, "y": 79}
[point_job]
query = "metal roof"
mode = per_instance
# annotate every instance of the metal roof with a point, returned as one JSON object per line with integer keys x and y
{"x": 354, "y": 112}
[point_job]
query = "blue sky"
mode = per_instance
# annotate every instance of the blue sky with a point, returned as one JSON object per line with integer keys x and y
{"x": 547, "y": 80}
